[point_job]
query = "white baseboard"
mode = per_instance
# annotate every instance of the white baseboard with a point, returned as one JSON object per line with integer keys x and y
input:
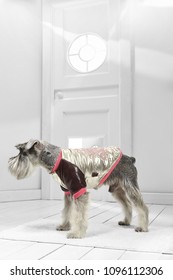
{"x": 150, "y": 198}
{"x": 158, "y": 198}
{"x": 18, "y": 195}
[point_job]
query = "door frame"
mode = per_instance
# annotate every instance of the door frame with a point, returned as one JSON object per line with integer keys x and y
{"x": 125, "y": 85}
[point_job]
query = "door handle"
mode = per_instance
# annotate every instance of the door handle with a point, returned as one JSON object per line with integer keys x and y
{"x": 59, "y": 95}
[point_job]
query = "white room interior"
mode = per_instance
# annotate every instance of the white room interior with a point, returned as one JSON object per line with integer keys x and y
{"x": 126, "y": 101}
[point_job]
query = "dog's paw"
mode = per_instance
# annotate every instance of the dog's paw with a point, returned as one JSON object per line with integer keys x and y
{"x": 75, "y": 235}
{"x": 63, "y": 227}
{"x": 140, "y": 229}
{"x": 122, "y": 223}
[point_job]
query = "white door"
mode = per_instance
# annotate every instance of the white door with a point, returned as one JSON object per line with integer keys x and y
{"x": 82, "y": 96}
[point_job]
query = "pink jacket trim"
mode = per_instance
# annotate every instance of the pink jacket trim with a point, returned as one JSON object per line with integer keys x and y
{"x": 111, "y": 169}
{"x": 79, "y": 193}
{"x": 67, "y": 193}
{"x": 57, "y": 162}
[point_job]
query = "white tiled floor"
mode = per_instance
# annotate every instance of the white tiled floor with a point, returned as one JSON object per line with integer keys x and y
{"x": 16, "y": 214}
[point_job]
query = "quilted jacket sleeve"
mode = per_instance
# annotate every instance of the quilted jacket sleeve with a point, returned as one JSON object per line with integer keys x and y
{"x": 72, "y": 177}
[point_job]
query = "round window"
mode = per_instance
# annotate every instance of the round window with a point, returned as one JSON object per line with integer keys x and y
{"x": 87, "y": 52}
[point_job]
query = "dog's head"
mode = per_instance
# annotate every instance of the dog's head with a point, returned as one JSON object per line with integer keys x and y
{"x": 23, "y": 164}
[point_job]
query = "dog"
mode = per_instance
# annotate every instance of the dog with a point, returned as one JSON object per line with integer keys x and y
{"x": 77, "y": 170}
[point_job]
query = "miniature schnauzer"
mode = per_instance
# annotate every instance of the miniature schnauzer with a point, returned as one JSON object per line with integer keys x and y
{"x": 77, "y": 170}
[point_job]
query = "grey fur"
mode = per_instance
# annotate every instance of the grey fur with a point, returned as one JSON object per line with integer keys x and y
{"x": 122, "y": 183}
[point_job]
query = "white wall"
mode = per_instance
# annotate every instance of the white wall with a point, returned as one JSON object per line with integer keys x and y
{"x": 153, "y": 97}
{"x": 20, "y": 82}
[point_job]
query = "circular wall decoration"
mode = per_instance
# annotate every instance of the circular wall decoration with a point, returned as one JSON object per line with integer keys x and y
{"x": 87, "y": 52}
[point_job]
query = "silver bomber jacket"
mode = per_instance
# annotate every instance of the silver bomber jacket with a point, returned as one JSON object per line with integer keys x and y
{"x": 96, "y": 163}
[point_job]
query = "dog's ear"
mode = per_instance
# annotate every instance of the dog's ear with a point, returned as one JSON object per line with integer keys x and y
{"x": 31, "y": 143}
{"x": 20, "y": 146}
{"x": 28, "y": 145}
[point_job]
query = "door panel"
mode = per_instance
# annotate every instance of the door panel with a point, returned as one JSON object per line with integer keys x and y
{"x": 86, "y": 118}
{"x": 74, "y": 18}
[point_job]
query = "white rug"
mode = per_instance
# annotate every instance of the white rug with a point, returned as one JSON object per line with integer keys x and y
{"x": 158, "y": 239}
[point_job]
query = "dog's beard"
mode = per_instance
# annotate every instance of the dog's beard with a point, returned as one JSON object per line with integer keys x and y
{"x": 20, "y": 166}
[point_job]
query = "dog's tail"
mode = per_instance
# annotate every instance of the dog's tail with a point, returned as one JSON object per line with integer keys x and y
{"x": 133, "y": 160}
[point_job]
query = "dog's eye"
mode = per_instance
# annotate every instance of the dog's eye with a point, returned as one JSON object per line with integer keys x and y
{"x": 48, "y": 153}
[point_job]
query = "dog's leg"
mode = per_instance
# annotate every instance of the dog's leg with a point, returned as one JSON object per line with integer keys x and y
{"x": 120, "y": 195}
{"x": 135, "y": 197}
{"x": 65, "y": 225}
{"x": 79, "y": 217}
